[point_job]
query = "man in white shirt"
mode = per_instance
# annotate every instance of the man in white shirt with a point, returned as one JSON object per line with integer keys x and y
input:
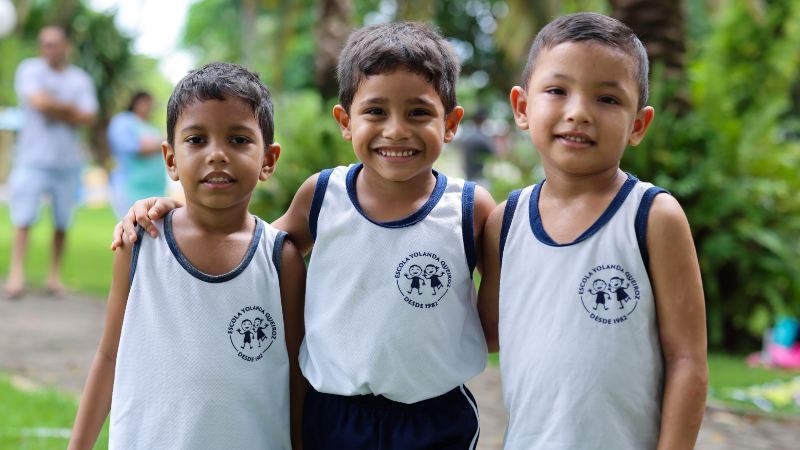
{"x": 56, "y": 98}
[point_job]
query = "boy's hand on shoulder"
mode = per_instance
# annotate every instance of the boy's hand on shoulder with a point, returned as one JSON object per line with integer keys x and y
{"x": 142, "y": 212}
{"x": 680, "y": 308}
{"x": 489, "y": 293}
{"x": 295, "y": 220}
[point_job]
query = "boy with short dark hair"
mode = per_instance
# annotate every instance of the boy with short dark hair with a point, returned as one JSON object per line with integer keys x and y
{"x": 387, "y": 360}
{"x": 577, "y": 376}
{"x": 177, "y": 366}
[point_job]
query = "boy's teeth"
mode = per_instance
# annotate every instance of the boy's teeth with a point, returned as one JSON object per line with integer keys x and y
{"x": 575, "y": 138}
{"x": 218, "y": 180}
{"x": 396, "y": 153}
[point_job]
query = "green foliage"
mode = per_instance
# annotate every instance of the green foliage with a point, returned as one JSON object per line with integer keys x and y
{"x": 310, "y": 142}
{"x": 729, "y": 163}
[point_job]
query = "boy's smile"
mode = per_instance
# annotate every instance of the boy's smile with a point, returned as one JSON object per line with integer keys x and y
{"x": 581, "y": 107}
{"x": 219, "y": 153}
{"x": 398, "y": 125}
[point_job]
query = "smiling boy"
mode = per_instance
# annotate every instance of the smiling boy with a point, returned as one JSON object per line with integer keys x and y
{"x": 576, "y": 376}
{"x": 387, "y": 360}
{"x": 213, "y": 272}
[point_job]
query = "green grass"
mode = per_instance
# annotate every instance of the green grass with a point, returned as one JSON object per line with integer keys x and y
{"x": 24, "y": 414}
{"x": 87, "y": 264}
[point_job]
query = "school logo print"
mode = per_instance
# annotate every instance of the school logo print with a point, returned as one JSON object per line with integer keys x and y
{"x": 252, "y": 331}
{"x": 422, "y": 279}
{"x": 609, "y": 293}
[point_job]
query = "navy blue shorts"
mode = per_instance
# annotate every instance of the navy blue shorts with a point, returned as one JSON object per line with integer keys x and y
{"x": 447, "y": 422}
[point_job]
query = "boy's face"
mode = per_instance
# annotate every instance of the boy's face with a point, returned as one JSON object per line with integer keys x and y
{"x": 398, "y": 125}
{"x": 581, "y": 107}
{"x": 219, "y": 153}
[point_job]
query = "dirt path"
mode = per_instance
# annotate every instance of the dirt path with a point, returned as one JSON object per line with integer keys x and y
{"x": 52, "y": 341}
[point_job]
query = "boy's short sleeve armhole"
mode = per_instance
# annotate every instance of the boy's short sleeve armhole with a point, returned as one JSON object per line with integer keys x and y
{"x": 277, "y": 252}
{"x": 316, "y": 201}
{"x": 135, "y": 253}
{"x": 468, "y": 224}
{"x": 640, "y": 223}
{"x": 508, "y": 216}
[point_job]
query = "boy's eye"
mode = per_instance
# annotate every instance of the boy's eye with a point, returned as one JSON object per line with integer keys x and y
{"x": 240, "y": 140}
{"x": 557, "y": 91}
{"x": 376, "y": 111}
{"x": 419, "y": 112}
{"x": 609, "y": 100}
{"x": 195, "y": 140}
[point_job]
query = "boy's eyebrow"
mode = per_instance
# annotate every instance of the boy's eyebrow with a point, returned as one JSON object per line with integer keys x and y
{"x": 605, "y": 83}
{"x": 233, "y": 128}
{"x": 411, "y": 101}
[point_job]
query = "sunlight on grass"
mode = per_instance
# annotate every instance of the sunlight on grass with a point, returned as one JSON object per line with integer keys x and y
{"x": 87, "y": 265}
{"x": 38, "y": 419}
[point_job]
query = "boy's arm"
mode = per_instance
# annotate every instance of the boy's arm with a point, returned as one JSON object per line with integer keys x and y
{"x": 142, "y": 212}
{"x": 489, "y": 293}
{"x": 96, "y": 399}
{"x": 482, "y": 206}
{"x": 680, "y": 308}
{"x": 295, "y": 220}
{"x": 293, "y": 291}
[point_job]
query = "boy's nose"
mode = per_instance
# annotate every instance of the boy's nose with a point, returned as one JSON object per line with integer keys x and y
{"x": 396, "y": 129}
{"x": 217, "y": 154}
{"x": 577, "y": 110}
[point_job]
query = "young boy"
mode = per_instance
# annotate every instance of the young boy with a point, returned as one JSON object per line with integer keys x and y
{"x": 577, "y": 376}
{"x": 186, "y": 364}
{"x": 387, "y": 359}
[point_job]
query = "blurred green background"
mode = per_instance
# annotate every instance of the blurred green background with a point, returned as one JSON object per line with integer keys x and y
{"x": 725, "y": 84}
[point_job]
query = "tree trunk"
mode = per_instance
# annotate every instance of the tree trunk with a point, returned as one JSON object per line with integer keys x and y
{"x": 248, "y": 17}
{"x": 660, "y": 26}
{"x": 333, "y": 27}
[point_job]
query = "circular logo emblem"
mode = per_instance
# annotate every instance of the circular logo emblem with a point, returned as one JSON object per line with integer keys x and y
{"x": 422, "y": 279}
{"x": 609, "y": 294}
{"x": 252, "y": 332}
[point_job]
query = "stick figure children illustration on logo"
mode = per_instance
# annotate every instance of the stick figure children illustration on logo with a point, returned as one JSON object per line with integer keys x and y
{"x": 600, "y": 293}
{"x": 615, "y": 285}
{"x": 260, "y": 336}
{"x": 247, "y": 326}
{"x": 432, "y": 273}
{"x": 415, "y": 271}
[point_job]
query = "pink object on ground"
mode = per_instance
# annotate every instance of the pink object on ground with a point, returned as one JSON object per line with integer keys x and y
{"x": 787, "y": 357}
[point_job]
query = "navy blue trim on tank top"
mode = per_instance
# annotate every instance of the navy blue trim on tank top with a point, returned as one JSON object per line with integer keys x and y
{"x": 438, "y": 191}
{"x": 508, "y": 217}
{"x": 640, "y": 223}
{"x": 316, "y": 201}
{"x": 277, "y": 252}
{"x": 616, "y": 203}
{"x": 135, "y": 254}
{"x": 468, "y": 224}
{"x": 176, "y": 252}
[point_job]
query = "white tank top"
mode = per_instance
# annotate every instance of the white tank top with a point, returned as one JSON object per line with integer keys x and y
{"x": 202, "y": 361}
{"x": 390, "y": 307}
{"x": 580, "y": 351}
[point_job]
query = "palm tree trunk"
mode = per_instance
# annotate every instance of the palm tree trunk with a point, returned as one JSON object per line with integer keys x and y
{"x": 333, "y": 27}
{"x": 660, "y": 26}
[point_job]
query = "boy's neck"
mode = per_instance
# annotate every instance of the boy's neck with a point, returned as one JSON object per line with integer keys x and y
{"x": 397, "y": 199}
{"x": 216, "y": 221}
{"x": 562, "y": 185}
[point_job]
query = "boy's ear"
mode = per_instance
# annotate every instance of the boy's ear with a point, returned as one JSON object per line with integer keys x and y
{"x": 451, "y": 123}
{"x": 271, "y": 154}
{"x": 642, "y": 123}
{"x": 519, "y": 104}
{"x": 344, "y": 122}
{"x": 169, "y": 160}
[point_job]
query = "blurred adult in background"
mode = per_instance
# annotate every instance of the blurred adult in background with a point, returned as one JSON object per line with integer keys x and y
{"x": 57, "y": 99}
{"x": 139, "y": 170}
{"x": 476, "y": 147}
